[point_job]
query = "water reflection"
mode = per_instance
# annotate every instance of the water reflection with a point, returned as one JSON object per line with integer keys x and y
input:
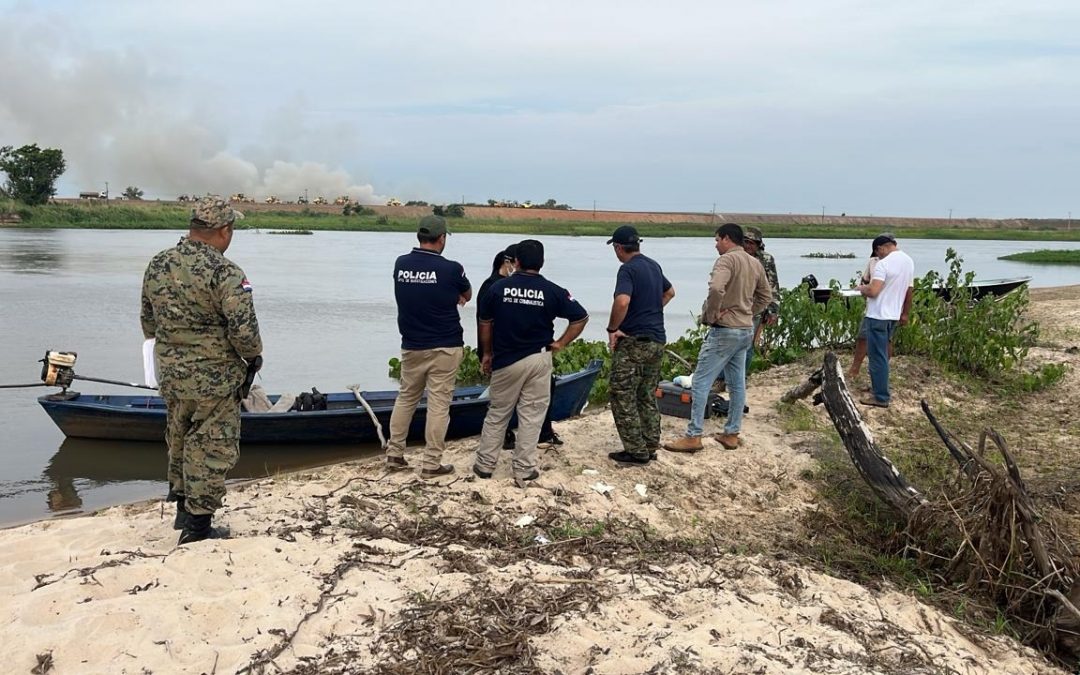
{"x": 35, "y": 253}
{"x": 94, "y": 463}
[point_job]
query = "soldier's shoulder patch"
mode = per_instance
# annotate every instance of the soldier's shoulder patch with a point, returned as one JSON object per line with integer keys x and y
{"x": 245, "y": 285}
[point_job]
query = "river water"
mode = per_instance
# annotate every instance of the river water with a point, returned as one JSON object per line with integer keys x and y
{"x": 326, "y": 309}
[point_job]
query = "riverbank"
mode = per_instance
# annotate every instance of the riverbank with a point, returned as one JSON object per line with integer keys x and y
{"x": 710, "y": 565}
{"x": 500, "y": 220}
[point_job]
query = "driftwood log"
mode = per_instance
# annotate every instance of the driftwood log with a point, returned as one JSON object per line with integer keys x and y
{"x": 997, "y": 542}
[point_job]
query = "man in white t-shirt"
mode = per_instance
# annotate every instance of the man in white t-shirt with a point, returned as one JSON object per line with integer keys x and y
{"x": 888, "y": 300}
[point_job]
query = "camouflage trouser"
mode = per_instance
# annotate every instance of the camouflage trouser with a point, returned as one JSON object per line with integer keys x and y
{"x": 635, "y": 372}
{"x": 203, "y": 436}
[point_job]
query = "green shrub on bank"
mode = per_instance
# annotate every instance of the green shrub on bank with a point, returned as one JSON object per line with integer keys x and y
{"x": 1045, "y": 256}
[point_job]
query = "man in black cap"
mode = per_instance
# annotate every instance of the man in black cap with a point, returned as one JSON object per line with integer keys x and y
{"x": 636, "y": 337}
{"x": 888, "y": 301}
{"x": 428, "y": 289}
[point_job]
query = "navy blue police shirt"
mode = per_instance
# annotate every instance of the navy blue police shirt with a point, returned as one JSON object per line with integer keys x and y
{"x": 523, "y": 308}
{"x": 641, "y": 278}
{"x": 427, "y": 287}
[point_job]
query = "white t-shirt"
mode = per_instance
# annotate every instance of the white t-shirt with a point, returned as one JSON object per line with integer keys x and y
{"x": 897, "y": 270}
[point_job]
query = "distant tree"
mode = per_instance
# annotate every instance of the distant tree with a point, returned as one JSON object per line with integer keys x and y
{"x": 31, "y": 172}
{"x": 492, "y": 202}
{"x": 438, "y": 210}
{"x": 454, "y": 211}
{"x": 416, "y": 202}
{"x": 550, "y": 204}
{"x": 133, "y": 193}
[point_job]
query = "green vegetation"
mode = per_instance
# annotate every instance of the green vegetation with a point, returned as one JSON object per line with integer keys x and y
{"x": 1045, "y": 256}
{"x": 829, "y": 256}
{"x": 32, "y": 173}
{"x": 133, "y": 193}
{"x": 154, "y": 215}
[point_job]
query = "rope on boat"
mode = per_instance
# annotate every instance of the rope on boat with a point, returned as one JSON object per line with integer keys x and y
{"x": 355, "y": 389}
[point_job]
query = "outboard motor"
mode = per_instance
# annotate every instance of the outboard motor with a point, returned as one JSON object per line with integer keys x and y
{"x": 810, "y": 281}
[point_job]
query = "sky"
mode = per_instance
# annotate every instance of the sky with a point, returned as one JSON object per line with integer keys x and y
{"x": 920, "y": 108}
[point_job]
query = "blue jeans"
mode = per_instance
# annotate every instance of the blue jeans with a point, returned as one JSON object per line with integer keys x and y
{"x": 722, "y": 351}
{"x": 749, "y": 351}
{"x": 878, "y": 332}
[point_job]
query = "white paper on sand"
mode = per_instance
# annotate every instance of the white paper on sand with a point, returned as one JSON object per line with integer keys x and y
{"x": 602, "y": 487}
{"x": 524, "y": 521}
{"x": 149, "y": 370}
{"x": 640, "y": 489}
{"x": 590, "y": 472}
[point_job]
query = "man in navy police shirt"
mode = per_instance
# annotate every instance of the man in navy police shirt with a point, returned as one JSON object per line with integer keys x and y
{"x": 428, "y": 289}
{"x": 517, "y": 332}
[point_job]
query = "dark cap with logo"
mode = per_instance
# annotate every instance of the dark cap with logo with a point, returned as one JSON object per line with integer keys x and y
{"x": 624, "y": 234}
{"x": 432, "y": 226}
{"x": 882, "y": 239}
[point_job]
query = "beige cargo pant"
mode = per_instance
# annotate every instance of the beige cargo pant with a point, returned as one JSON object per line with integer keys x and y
{"x": 436, "y": 371}
{"x": 526, "y": 386}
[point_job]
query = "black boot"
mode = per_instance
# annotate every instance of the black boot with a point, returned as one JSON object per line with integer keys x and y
{"x": 182, "y": 514}
{"x": 198, "y": 528}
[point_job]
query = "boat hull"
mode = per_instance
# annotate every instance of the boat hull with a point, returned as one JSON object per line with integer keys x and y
{"x": 142, "y": 418}
{"x": 979, "y": 289}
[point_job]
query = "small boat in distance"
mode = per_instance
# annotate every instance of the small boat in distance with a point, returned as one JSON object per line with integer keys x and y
{"x": 979, "y": 289}
{"x": 142, "y": 418}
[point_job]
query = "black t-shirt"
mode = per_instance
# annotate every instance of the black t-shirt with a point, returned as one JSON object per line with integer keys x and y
{"x": 427, "y": 287}
{"x": 523, "y": 308}
{"x": 641, "y": 278}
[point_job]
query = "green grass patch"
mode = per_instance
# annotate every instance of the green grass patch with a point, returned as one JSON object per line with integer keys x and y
{"x": 1045, "y": 256}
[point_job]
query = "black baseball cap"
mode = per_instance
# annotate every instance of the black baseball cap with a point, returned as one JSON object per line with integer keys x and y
{"x": 624, "y": 234}
{"x": 881, "y": 240}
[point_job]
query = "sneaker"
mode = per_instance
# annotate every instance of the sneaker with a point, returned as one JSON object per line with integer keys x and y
{"x": 523, "y": 482}
{"x": 625, "y": 457}
{"x": 481, "y": 474}
{"x": 552, "y": 441}
{"x": 198, "y": 528}
{"x": 443, "y": 470}
{"x": 396, "y": 463}
{"x": 729, "y": 441}
{"x": 871, "y": 401}
{"x": 688, "y": 444}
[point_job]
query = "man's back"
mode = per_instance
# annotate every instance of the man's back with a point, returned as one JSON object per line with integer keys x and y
{"x": 523, "y": 308}
{"x": 738, "y": 289}
{"x": 197, "y": 305}
{"x": 897, "y": 272}
{"x": 643, "y": 280}
{"x": 427, "y": 287}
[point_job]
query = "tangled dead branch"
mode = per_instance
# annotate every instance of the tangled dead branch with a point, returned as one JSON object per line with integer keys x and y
{"x": 985, "y": 530}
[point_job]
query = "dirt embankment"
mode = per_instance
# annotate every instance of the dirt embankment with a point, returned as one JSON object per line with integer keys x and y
{"x": 557, "y": 215}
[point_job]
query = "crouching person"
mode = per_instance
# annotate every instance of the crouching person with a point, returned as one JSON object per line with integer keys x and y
{"x": 517, "y": 336}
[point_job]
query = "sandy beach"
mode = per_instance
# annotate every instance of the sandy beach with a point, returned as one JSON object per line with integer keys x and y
{"x": 679, "y": 567}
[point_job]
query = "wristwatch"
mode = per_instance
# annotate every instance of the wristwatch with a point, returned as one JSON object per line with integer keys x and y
{"x": 612, "y": 330}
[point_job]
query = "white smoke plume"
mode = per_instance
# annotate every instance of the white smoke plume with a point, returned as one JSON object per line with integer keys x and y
{"x": 117, "y": 119}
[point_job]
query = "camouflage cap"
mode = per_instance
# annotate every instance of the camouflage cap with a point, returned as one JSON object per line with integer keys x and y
{"x": 754, "y": 234}
{"x": 212, "y": 213}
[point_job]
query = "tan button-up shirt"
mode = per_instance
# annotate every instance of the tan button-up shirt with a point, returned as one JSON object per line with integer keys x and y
{"x": 738, "y": 289}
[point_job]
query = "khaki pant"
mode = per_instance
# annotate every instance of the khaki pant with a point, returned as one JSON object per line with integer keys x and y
{"x": 525, "y": 385}
{"x": 434, "y": 370}
{"x": 203, "y": 437}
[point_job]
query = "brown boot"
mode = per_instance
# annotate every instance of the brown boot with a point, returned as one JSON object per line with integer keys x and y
{"x": 729, "y": 441}
{"x": 690, "y": 444}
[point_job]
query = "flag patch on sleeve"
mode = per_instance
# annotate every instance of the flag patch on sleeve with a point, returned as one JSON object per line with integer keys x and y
{"x": 245, "y": 285}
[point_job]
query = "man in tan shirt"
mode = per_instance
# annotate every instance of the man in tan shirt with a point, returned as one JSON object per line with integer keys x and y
{"x": 738, "y": 289}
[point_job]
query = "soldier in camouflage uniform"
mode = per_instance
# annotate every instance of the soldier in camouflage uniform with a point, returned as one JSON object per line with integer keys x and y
{"x": 637, "y": 340}
{"x": 754, "y": 243}
{"x": 198, "y": 306}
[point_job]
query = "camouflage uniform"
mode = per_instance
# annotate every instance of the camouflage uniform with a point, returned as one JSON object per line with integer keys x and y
{"x": 198, "y": 306}
{"x": 769, "y": 263}
{"x": 635, "y": 370}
